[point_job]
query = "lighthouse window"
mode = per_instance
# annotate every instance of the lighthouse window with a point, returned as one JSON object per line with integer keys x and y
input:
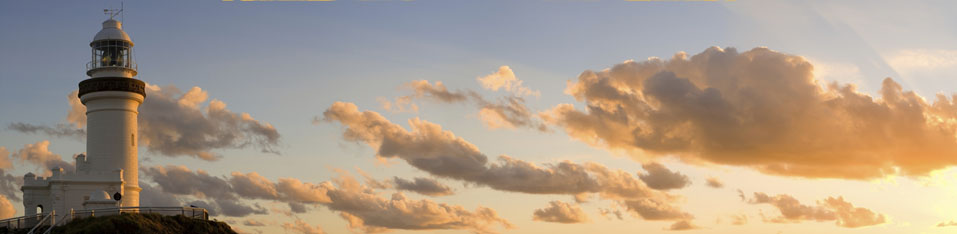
{"x": 133, "y": 139}
{"x": 111, "y": 53}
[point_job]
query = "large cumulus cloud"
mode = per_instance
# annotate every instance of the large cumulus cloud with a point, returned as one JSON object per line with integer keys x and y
{"x": 759, "y": 108}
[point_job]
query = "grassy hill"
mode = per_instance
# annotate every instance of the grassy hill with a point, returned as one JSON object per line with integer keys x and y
{"x": 140, "y": 223}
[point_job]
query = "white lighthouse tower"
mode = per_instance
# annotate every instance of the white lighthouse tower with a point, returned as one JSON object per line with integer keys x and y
{"x": 112, "y": 98}
{"x": 109, "y": 169}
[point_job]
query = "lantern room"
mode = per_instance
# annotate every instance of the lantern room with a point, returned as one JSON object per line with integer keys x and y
{"x": 112, "y": 52}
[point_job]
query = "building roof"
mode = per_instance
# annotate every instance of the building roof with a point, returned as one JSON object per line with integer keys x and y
{"x": 112, "y": 30}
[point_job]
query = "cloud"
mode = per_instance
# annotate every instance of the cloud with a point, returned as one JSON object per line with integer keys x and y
{"x": 357, "y": 203}
{"x": 216, "y": 193}
{"x": 5, "y": 162}
{"x": 651, "y": 209}
{"x": 560, "y": 212}
{"x": 761, "y": 109}
{"x": 505, "y": 79}
{"x": 368, "y": 212}
{"x": 253, "y": 223}
{"x": 233, "y": 208}
{"x": 294, "y": 190}
{"x": 77, "y": 113}
{"x": 153, "y": 196}
{"x": 376, "y": 184}
{"x": 299, "y": 227}
{"x": 830, "y": 209}
{"x": 608, "y": 212}
{"x": 181, "y": 180}
{"x": 429, "y": 148}
{"x": 659, "y": 177}
{"x": 38, "y": 154}
{"x": 252, "y": 185}
{"x": 739, "y": 219}
{"x": 792, "y": 210}
{"x": 509, "y": 112}
{"x": 506, "y": 112}
{"x": 947, "y": 224}
{"x": 850, "y": 216}
{"x": 424, "y": 186}
{"x": 422, "y": 89}
{"x": 297, "y": 208}
{"x": 60, "y": 130}
{"x": 10, "y": 186}
{"x": 172, "y": 123}
{"x": 6, "y": 208}
{"x": 922, "y": 59}
{"x": 714, "y": 182}
{"x": 682, "y": 226}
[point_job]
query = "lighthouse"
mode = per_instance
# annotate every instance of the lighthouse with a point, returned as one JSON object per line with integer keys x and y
{"x": 107, "y": 175}
{"x": 112, "y": 98}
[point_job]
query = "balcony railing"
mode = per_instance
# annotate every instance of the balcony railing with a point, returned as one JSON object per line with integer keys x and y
{"x": 95, "y": 65}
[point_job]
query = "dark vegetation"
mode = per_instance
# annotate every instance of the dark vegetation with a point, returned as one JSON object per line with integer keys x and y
{"x": 137, "y": 223}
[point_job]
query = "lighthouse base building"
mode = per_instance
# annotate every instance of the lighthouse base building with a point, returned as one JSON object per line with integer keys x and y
{"x": 63, "y": 191}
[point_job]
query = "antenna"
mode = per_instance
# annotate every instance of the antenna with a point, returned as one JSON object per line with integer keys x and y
{"x": 113, "y": 12}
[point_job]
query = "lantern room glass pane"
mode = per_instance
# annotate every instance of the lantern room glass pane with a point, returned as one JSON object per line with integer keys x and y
{"x": 111, "y": 53}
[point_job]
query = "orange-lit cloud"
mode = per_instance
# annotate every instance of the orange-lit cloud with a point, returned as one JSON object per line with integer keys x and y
{"x": 366, "y": 211}
{"x": 762, "y": 109}
{"x": 830, "y": 209}
{"x": 947, "y": 224}
{"x": 5, "y": 162}
{"x": 77, "y": 113}
{"x": 6, "y": 208}
{"x": 39, "y": 154}
{"x": 682, "y": 226}
{"x": 300, "y": 227}
{"x": 714, "y": 182}
{"x": 505, "y": 79}
{"x": 560, "y": 212}
{"x": 253, "y": 223}
{"x": 507, "y": 112}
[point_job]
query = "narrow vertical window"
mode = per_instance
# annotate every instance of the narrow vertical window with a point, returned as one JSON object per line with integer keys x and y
{"x": 133, "y": 139}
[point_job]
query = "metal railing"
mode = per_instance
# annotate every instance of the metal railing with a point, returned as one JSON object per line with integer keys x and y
{"x": 95, "y": 65}
{"x": 51, "y": 216}
{"x": 26, "y": 221}
{"x": 35, "y": 221}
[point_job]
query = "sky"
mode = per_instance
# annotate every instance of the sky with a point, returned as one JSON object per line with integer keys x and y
{"x": 430, "y": 116}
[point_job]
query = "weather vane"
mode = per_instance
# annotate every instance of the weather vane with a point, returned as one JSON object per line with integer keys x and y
{"x": 114, "y": 12}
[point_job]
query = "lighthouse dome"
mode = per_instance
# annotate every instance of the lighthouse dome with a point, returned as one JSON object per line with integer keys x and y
{"x": 112, "y": 30}
{"x": 100, "y": 195}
